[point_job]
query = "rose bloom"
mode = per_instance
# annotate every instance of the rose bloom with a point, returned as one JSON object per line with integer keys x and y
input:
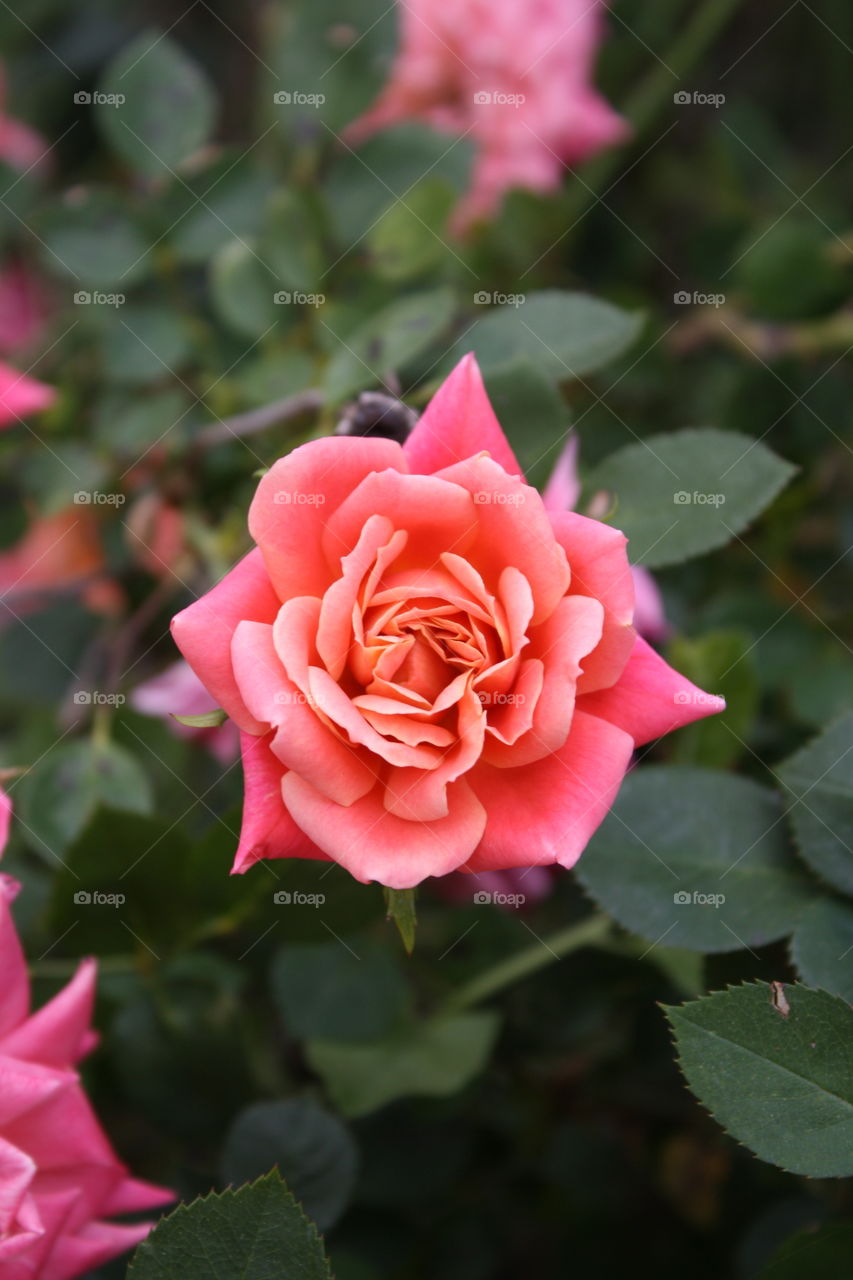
{"x": 431, "y": 671}
{"x": 515, "y": 77}
{"x": 59, "y": 1177}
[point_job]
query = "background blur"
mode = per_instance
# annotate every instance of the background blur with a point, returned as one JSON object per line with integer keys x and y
{"x": 726, "y": 220}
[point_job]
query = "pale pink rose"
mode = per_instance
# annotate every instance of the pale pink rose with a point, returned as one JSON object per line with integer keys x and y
{"x": 516, "y": 78}
{"x": 561, "y": 493}
{"x": 177, "y": 691}
{"x": 20, "y": 146}
{"x": 430, "y": 670}
{"x": 60, "y": 1179}
{"x": 21, "y": 396}
{"x": 24, "y": 307}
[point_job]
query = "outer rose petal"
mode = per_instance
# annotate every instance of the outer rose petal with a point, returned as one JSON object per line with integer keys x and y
{"x": 373, "y": 844}
{"x": 20, "y": 396}
{"x": 59, "y": 1033}
{"x": 268, "y": 831}
{"x": 299, "y": 495}
{"x": 650, "y": 698}
{"x": 203, "y": 632}
{"x": 551, "y": 808}
{"x": 5, "y": 819}
{"x": 458, "y": 423}
{"x": 15, "y": 985}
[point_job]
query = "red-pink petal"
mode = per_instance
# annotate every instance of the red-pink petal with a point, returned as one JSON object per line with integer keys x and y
{"x": 458, "y": 423}
{"x": 650, "y": 698}
{"x": 20, "y": 396}
{"x": 552, "y": 807}
{"x": 15, "y": 983}
{"x": 58, "y": 1034}
{"x": 203, "y": 632}
{"x": 268, "y": 831}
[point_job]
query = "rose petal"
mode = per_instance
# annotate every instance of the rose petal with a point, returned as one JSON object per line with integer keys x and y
{"x": 268, "y": 831}
{"x": 458, "y": 423}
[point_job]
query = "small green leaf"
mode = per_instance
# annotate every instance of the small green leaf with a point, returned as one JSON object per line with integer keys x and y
{"x": 256, "y": 1233}
{"x": 243, "y": 290}
{"x": 567, "y": 335}
{"x": 722, "y": 661}
{"x": 781, "y": 1082}
{"x": 405, "y": 242}
{"x": 387, "y": 342}
{"x": 92, "y": 238}
{"x": 822, "y": 946}
{"x": 145, "y": 343}
{"x": 159, "y": 108}
{"x": 819, "y": 783}
{"x": 63, "y": 791}
{"x": 210, "y": 719}
{"x": 432, "y": 1059}
{"x": 351, "y": 991}
{"x": 696, "y": 858}
{"x": 400, "y": 906}
{"x": 313, "y": 1151}
{"x": 686, "y": 492}
{"x": 533, "y": 414}
{"x": 288, "y": 243}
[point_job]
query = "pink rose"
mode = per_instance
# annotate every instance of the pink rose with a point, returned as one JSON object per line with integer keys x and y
{"x": 24, "y": 307}
{"x": 177, "y": 691}
{"x": 21, "y": 396}
{"x": 515, "y": 77}
{"x": 430, "y": 670}
{"x": 59, "y": 1176}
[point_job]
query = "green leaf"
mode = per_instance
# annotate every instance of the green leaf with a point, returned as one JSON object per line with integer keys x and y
{"x": 92, "y": 238}
{"x": 256, "y": 1233}
{"x": 722, "y": 661}
{"x": 243, "y": 290}
{"x": 313, "y": 1150}
{"x": 64, "y": 789}
{"x": 210, "y": 719}
{"x": 781, "y": 1082}
{"x": 129, "y": 425}
{"x": 533, "y": 414}
{"x": 145, "y": 343}
{"x": 822, "y": 946}
{"x": 288, "y": 242}
{"x": 822, "y": 1254}
{"x": 819, "y": 783}
{"x": 433, "y": 1059}
{"x": 161, "y": 106}
{"x": 686, "y": 492}
{"x": 339, "y": 991}
{"x": 400, "y": 907}
{"x": 387, "y": 341}
{"x": 567, "y": 335}
{"x": 696, "y": 858}
{"x": 225, "y": 201}
{"x": 405, "y": 243}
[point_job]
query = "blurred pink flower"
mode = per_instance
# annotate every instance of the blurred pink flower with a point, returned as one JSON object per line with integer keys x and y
{"x": 562, "y": 493}
{"x": 516, "y": 77}
{"x": 59, "y": 1176}
{"x": 178, "y": 691}
{"x": 24, "y": 307}
{"x": 20, "y": 396}
{"x": 20, "y": 146}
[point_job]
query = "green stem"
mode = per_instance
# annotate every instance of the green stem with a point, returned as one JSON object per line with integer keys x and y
{"x": 555, "y": 946}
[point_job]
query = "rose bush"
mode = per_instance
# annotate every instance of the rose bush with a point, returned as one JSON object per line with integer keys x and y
{"x": 431, "y": 671}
